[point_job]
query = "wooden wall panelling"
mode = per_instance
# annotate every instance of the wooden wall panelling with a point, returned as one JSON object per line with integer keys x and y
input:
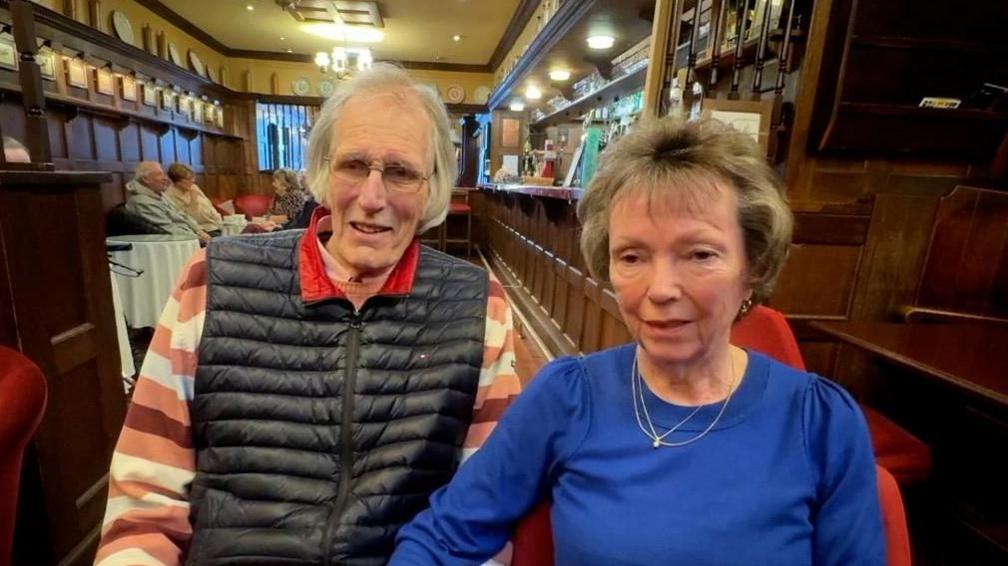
{"x": 967, "y": 261}
{"x": 63, "y": 312}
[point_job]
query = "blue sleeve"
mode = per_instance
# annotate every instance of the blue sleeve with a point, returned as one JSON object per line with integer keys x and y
{"x": 471, "y": 518}
{"x": 846, "y": 516}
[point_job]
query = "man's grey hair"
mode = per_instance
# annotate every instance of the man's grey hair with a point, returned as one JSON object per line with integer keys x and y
{"x": 13, "y": 143}
{"x": 145, "y": 168}
{"x": 384, "y": 77}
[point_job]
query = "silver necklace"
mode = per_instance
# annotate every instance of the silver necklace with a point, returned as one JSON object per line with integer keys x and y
{"x": 658, "y": 440}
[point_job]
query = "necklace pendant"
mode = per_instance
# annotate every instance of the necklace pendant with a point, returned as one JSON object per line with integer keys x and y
{"x": 656, "y": 443}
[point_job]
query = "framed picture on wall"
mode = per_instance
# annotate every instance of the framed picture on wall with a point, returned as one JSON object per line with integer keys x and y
{"x": 76, "y": 73}
{"x": 149, "y": 94}
{"x": 8, "y": 54}
{"x": 197, "y": 111}
{"x": 46, "y": 60}
{"x": 129, "y": 88}
{"x": 510, "y": 132}
{"x": 185, "y": 106}
{"x": 167, "y": 100}
{"x": 219, "y": 116}
{"x": 104, "y": 82}
{"x": 753, "y": 118}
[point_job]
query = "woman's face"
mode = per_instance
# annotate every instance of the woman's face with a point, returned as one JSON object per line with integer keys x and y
{"x": 186, "y": 183}
{"x": 680, "y": 274}
{"x": 279, "y": 185}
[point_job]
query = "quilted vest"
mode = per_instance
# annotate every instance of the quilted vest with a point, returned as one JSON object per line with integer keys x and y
{"x": 319, "y": 430}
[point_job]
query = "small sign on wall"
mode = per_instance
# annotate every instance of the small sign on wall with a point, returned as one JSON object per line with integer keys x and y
{"x": 105, "y": 84}
{"x": 167, "y": 100}
{"x": 129, "y": 88}
{"x": 76, "y": 73}
{"x": 149, "y": 94}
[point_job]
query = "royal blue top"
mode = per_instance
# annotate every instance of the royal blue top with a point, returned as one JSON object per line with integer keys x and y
{"x": 786, "y": 477}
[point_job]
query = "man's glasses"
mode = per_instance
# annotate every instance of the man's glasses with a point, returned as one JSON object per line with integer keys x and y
{"x": 396, "y": 177}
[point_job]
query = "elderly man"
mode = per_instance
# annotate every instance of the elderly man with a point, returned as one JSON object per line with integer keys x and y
{"x": 306, "y": 391}
{"x": 147, "y": 200}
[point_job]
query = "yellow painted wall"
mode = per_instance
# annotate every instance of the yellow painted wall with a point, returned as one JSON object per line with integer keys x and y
{"x": 235, "y": 69}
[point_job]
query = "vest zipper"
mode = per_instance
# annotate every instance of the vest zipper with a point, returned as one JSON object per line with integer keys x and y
{"x": 346, "y": 435}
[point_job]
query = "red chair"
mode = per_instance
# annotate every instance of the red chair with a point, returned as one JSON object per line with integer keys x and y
{"x": 906, "y": 457}
{"x": 252, "y": 205}
{"x": 767, "y": 331}
{"x": 23, "y": 399}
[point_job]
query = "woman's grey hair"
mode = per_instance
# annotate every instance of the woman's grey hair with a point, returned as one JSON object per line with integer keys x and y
{"x": 384, "y": 77}
{"x": 288, "y": 177}
{"x": 686, "y": 161}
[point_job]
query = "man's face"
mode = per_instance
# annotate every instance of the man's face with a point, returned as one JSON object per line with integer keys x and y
{"x": 155, "y": 180}
{"x": 374, "y": 220}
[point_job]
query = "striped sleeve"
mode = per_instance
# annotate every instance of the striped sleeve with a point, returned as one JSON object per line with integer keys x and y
{"x": 147, "y": 515}
{"x": 499, "y": 383}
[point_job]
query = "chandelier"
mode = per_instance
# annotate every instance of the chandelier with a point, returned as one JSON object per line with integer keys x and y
{"x": 339, "y": 61}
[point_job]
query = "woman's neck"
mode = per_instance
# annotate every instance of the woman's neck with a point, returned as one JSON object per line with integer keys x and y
{"x": 701, "y": 382}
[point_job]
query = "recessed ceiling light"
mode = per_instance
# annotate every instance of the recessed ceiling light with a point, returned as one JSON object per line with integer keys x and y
{"x": 517, "y": 106}
{"x": 249, "y": 7}
{"x": 601, "y": 41}
{"x": 282, "y": 38}
{"x": 456, "y": 37}
{"x": 533, "y": 93}
{"x": 290, "y": 51}
{"x": 559, "y": 75}
{"x": 337, "y": 32}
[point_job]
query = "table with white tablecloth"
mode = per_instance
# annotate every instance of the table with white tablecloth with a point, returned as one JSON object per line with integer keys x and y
{"x": 160, "y": 257}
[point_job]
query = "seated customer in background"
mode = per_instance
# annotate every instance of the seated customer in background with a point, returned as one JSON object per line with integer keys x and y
{"x": 292, "y": 204}
{"x": 146, "y": 199}
{"x": 186, "y": 195}
{"x": 678, "y": 448}
{"x": 306, "y": 391}
{"x": 15, "y": 151}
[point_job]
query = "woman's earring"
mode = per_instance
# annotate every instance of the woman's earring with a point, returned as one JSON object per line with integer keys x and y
{"x": 747, "y": 306}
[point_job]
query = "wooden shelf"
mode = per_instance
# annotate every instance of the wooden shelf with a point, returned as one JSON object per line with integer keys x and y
{"x": 612, "y": 91}
{"x": 561, "y": 44}
{"x": 563, "y": 193}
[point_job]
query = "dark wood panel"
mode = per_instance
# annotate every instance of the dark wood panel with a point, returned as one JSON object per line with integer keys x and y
{"x": 818, "y": 280}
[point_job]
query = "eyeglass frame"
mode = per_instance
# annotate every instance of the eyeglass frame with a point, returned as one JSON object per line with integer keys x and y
{"x": 371, "y": 167}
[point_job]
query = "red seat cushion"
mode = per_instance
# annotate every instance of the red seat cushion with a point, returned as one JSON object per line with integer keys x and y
{"x": 906, "y": 457}
{"x": 22, "y": 401}
{"x": 459, "y": 208}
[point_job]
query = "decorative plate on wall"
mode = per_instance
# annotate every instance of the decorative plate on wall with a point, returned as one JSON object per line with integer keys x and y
{"x": 122, "y": 27}
{"x": 481, "y": 94}
{"x": 210, "y": 74}
{"x": 174, "y": 55}
{"x": 326, "y": 87}
{"x": 197, "y": 64}
{"x": 301, "y": 86}
{"x": 455, "y": 94}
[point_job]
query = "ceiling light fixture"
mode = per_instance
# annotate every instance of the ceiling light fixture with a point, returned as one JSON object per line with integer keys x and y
{"x": 601, "y": 41}
{"x": 339, "y": 61}
{"x": 532, "y": 92}
{"x": 249, "y": 7}
{"x": 516, "y": 106}
{"x": 456, "y": 38}
{"x": 559, "y": 75}
{"x": 352, "y": 34}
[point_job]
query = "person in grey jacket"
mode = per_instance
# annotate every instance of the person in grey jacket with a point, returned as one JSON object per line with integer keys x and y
{"x": 146, "y": 199}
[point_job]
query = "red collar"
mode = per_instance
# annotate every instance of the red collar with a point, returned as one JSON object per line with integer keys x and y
{"x": 316, "y": 285}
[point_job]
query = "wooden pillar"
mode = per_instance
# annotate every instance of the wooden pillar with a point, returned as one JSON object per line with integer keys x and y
{"x": 470, "y": 152}
{"x": 664, "y": 37}
{"x": 32, "y": 93}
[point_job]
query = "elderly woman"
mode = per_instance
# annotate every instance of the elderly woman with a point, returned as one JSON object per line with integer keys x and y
{"x": 678, "y": 448}
{"x": 292, "y": 204}
{"x": 186, "y": 195}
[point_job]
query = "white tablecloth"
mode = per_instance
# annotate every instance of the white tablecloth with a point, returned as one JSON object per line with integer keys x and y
{"x": 161, "y": 258}
{"x": 122, "y": 338}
